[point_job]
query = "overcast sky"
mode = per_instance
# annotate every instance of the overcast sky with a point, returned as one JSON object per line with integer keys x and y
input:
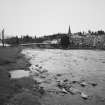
{"x": 43, "y": 17}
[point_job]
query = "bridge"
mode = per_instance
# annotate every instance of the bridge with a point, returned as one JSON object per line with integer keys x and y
{"x": 41, "y": 45}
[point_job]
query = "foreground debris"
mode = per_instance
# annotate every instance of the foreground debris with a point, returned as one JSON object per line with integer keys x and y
{"x": 84, "y": 96}
{"x": 83, "y": 84}
{"x": 67, "y": 88}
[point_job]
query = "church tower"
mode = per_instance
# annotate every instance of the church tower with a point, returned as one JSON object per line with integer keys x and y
{"x": 69, "y": 31}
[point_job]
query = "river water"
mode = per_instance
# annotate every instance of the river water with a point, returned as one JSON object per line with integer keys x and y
{"x": 78, "y": 62}
{"x": 71, "y": 65}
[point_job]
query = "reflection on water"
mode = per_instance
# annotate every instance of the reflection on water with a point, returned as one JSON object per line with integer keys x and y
{"x": 19, "y": 74}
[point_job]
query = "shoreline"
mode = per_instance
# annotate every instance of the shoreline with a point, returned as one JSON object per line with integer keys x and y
{"x": 10, "y": 59}
{"x": 89, "y": 82}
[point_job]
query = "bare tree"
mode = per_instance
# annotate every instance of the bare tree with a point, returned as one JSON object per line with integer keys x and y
{"x": 3, "y": 37}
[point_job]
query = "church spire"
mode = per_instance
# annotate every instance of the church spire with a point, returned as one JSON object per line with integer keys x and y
{"x": 69, "y": 31}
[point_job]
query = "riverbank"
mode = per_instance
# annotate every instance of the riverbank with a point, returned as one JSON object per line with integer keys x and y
{"x": 7, "y": 57}
{"x": 11, "y": 58}
{"x": 56, "y": 76}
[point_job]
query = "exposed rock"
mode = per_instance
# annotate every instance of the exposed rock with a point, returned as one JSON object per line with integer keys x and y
{"x": 41, "y": 90}
{"x": 84, "y": 96}
{"x": 83, "y": 84}
{"x": 37, "y": 65}
{"x": 62, "y": 84}
{"x": 59, "y": 85}
{"x": 66, "y": 80}
{"x": 44, "y": 70}
{"x": 40, "y": 67}
{"x": 94, "y": 84}
{"x": 64, "y": 91}
{"x": 42, "y": 76}
{"x": 58, "y": 75}
{"x": 74, "y": 91}
{"x": 74, "y": 82}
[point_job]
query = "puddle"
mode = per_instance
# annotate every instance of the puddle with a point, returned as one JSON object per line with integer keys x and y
{"x": 16, "y": 74}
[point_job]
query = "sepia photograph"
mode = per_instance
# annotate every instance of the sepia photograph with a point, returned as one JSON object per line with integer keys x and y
{"x": 52, "y": 52}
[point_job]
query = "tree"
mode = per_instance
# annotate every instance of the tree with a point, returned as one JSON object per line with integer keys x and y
{"x": 100, "y": 32}
{"x": 65, "y": 41}
{"x": 3, "y": 37}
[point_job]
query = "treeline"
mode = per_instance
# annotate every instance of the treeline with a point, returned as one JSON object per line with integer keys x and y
{"x": 99, "y": 32}
{"x": 29, "y": 39}
{"x": 76, "y": 40}
{"x": 23, "y": 40}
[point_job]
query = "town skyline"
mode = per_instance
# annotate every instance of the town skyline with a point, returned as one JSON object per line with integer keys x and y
{"x": 68, "y": 32}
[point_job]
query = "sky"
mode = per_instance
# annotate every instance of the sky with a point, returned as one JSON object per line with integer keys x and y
{"x": 44, "y": 17}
